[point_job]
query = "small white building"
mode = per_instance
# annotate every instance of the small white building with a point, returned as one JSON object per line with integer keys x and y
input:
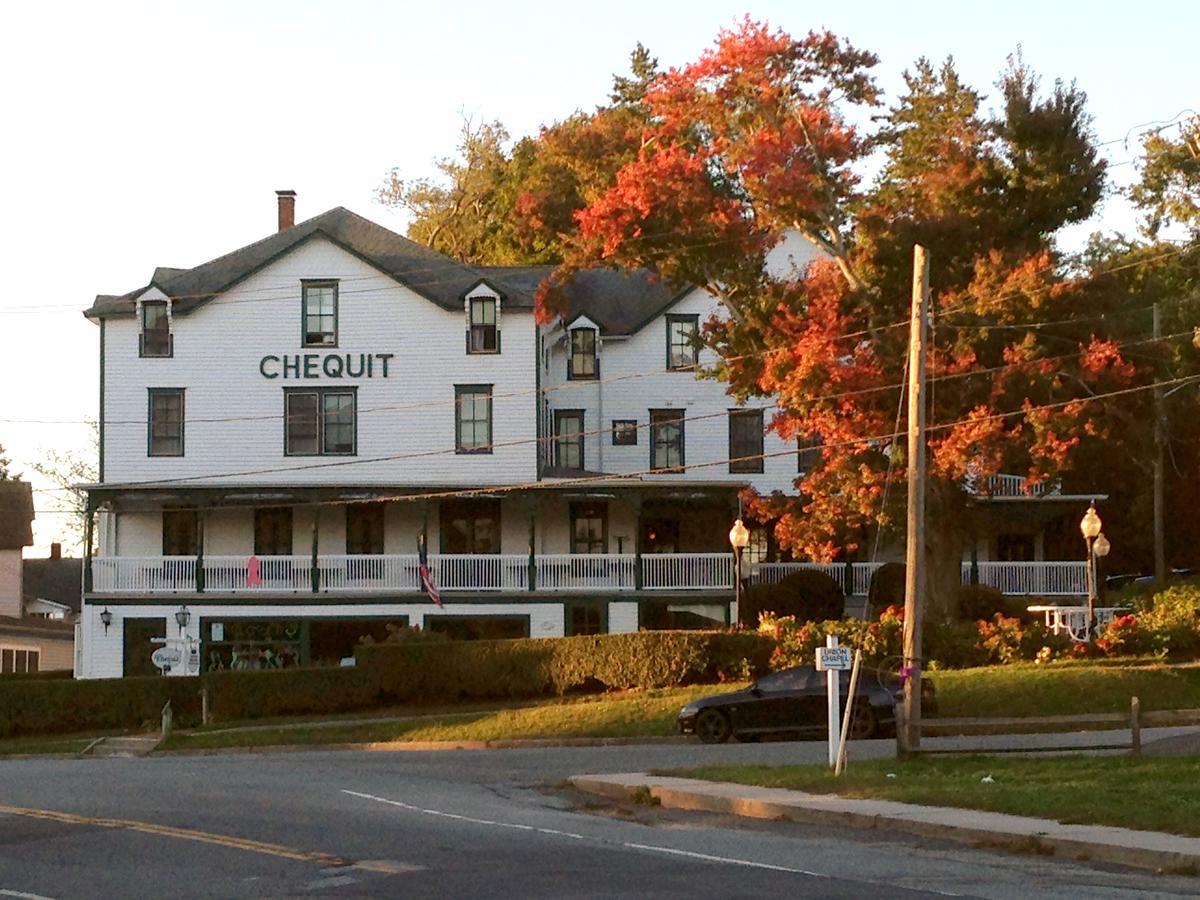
{"x": 281, "y": 426}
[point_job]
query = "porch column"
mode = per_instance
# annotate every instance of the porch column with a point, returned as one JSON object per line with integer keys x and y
{"x": 638, "y": 580}
{"x": 200, "y": 516}
{"x": 89, "y": 515}
{"x": 532, "y": 544}
{"x": 315, "y": 569}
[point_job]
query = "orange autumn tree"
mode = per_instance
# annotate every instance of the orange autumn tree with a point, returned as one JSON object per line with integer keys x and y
{"x": 758, "y": 137}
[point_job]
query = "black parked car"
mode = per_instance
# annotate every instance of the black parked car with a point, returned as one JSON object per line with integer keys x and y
{"x": 793, "y": 701}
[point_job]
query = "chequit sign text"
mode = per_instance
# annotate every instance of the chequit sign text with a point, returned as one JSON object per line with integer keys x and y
{"x": 328, "y": 365}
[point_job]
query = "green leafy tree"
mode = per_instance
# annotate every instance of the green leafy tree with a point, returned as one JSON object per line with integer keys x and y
{"x": 1169, "y": 189}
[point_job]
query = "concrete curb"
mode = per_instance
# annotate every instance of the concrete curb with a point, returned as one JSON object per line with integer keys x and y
{"x": 1098, "y": 843}
{"x": 426, "y": 746}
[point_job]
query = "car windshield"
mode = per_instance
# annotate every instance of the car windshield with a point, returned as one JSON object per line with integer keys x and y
{"x": 787, "y": 680}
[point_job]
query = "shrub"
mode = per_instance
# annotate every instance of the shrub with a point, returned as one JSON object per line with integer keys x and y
{"x": 982, "y": 601}
{"x": 807, "y": 594}
{"x": 56, "y": 706}
{"x": 887, "y": 587}
{"x": 289, "y": 692}
{"x": 1005, "y": 639}
{"x": 797, "y": 642}
{"x": 530, "y": 667}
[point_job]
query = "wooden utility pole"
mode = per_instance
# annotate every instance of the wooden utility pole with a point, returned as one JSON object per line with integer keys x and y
{"x": 1160, "y": 440}
{"x": 909, "y": 737}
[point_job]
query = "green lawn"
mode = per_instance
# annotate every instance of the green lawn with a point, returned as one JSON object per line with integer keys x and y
{"x": 30, "y": 745}
{"x": 632, "y": 714}
{"x": 1026, "y": 689}
{"x": 1130, "y": 792}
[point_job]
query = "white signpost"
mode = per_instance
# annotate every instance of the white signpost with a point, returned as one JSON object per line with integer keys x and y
{"x": 833, "y": 659}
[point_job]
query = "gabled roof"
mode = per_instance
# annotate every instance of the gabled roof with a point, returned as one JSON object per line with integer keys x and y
{"x": 56, "y": 580}
{"x": 620, "y": 302}
{"x": 433, "y": 275}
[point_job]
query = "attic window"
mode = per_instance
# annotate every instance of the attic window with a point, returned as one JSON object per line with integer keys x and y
{"x": 482, "y": 334}
{"x": 682, "y": 335}
{"x": 319, "y": 313}
{"x": 582, "y": 364}
{"x": 156, "y": 329}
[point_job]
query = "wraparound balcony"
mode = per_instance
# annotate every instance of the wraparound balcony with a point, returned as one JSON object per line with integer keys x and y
{"x": 607, "y": 572}
{"x": 509, "y": 573}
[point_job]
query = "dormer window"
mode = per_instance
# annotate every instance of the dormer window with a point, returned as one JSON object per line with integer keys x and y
{"x": 319, "y": 314}
{"x": 582, "y": 363}
{"x": 156, "y": 329}
{"x": 482, "y": 334}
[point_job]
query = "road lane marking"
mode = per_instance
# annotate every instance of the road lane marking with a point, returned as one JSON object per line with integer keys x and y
{"x": 22, "y": 895}
{"x": 461, "y": 818}
{"x": 206, "y": 837}
{"x": 727, "y": 860}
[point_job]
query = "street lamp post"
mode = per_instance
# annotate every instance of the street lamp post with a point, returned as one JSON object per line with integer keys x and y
{"x": 1090, "y": 526}
{"x": 739, "y": 537}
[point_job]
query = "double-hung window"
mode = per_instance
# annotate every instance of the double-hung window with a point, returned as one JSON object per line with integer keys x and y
{"x": 582, "y": 364}
{"x": 319, "y": 302}
{"x": 156, "y": 337}
{"x": 682, "y": 335}
{"x": 745, "y": 440}
{"x": 473, "y": 418}
{"x": 319, "y": 422}
{"x": 666, "y": 439}
{"x": 483, "y": 336}
{"x": 180, "y": 532}
{"x": 624, "y": 432}
{"x": 165, "y": 422}
{"x": 808, "y": 452}
{"x": 589, "y": 527}
{"x": 568, "y": 438}
{"x": 364, "y": 528}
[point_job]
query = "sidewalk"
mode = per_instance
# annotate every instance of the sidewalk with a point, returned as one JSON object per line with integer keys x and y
{"x": 1100, "y": 843}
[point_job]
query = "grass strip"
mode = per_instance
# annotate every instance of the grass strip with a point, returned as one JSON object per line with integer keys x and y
{"x": 630, "y": 714}
{"x": 1026, "y": 689}
{"x": 1155, "y": 794}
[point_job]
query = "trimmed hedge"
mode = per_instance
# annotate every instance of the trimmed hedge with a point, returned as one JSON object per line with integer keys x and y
{"x": 391, "y": 673}
{"x": 532, "y": 667}
{"x": 57, "y": 706}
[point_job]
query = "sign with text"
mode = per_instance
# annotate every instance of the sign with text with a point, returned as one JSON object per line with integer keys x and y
{"x": 833, "y": 659}
{"x": 329, "y": 365}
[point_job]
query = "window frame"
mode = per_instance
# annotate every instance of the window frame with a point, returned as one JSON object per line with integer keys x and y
{"x": 741, "y": 462}
{"x": 622, "y": 429}
{"x": 151, "y": 395}
{"x": 572, "y": 375}
{"x": 677, "y": 415}
{"x": 460, "y": 390}
{"x": 582, "y": 510}
{"x": 142, "y": 330}
{"x": 320, "y": 393}
{"x": 807, "y": 457}
{"x": 305, "y": 285}
{"x": 679, "y": 319}
{"x": 559, "y": 416}
{"x": 10, "y": 653}
{"x": 494, "y": 325}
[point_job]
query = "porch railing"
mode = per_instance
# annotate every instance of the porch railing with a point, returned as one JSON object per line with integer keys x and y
{"x": 1039, "y": 579}
{"x": 581, "y": 573}
{"x": 590, "y": 572}
{"x": 687, "y": 571}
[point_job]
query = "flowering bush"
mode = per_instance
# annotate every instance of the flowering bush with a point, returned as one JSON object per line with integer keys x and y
{"x": 797, "y": 642}
{"x": 1005, "y": 639}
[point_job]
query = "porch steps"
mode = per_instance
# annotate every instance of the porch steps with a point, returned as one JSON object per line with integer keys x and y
{"x": 124, "y": 746}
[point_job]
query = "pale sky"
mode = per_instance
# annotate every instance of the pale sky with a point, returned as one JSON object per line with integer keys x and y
{"x": 144, "y": 134}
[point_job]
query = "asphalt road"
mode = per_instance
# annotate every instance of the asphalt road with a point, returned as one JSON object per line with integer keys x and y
{"x": 462, "y": 824}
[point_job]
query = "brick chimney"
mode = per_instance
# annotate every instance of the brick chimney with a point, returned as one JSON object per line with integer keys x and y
{"x": 287, "y": 209}
{"x": 56, "y": 551}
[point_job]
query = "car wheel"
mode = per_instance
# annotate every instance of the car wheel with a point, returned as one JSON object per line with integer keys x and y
{"x": 712, "y": 727}
{"x": 863, "y": 723}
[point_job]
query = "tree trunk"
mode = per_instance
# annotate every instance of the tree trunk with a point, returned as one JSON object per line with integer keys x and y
{"x": 945, "y": 538}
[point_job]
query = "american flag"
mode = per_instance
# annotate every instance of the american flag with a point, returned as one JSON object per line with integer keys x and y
{"x": 427, "y": 583}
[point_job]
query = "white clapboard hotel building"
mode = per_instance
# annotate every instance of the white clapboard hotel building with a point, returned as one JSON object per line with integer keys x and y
{"x": 282, "y": 426}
